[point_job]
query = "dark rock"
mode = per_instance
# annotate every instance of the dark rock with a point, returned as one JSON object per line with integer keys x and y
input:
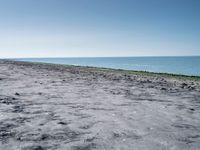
{"x": 62, "y": 123}
{"x": 183, "y": 85}
{"x": 17, "y": 94}
{"x": 44, "y": 137}
{"x": 192, "y": 109}
{"x": 38, "y": 148}
{"x": 191, "y": 87}
{"x": 163, "y": 89}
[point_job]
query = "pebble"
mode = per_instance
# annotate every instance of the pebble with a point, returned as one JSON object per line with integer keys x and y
{"x": 164, "y": 89}
{"x": 17, "y": 94}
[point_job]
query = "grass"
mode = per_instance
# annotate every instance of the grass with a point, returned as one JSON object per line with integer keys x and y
{"x": 145, "y": 73}
{"x": 167, "y": 75}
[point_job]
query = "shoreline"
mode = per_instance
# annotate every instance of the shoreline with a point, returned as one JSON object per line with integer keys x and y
{"x": 59, "y": 107}
{"x": 122, "y": 71}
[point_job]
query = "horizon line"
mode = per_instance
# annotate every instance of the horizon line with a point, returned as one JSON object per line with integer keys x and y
{"x": 98, "y": 56}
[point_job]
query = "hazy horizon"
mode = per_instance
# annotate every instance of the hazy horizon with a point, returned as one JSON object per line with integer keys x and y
{"x": 99, "y": 28}
{"x": 98, "y": 56}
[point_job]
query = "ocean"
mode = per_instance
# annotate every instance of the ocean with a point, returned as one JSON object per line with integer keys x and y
{"x": 188, "y": 65}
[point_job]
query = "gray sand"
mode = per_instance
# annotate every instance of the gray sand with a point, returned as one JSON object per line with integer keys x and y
{"x": 56, "y": 107}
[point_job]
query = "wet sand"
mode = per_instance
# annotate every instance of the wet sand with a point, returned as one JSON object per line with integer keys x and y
{"x": 54, "y": 107}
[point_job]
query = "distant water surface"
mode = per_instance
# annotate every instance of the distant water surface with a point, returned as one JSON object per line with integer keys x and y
{"x": 176, "y": 65}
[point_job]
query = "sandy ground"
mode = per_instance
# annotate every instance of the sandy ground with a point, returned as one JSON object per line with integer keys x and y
{"x": 55, "y": 107}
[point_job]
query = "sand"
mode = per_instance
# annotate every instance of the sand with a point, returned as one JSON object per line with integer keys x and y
{"x": 54, "y": 107}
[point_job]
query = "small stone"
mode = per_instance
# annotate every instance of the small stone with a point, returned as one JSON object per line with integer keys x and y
{"x": 191, "y": 87}
{"x": 184, "y": 84}
{"x": 62, "y": 123}
{"x": 17, "y": 94}
{"x": 38, "y": 148}
{"x": 164, "y": 89}
{"x": 44, "y": 137}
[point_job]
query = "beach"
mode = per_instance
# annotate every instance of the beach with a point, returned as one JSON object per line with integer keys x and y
{"x": 46, "y": 106}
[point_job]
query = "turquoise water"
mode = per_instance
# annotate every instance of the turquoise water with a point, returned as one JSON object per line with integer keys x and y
{"x": 175, "y": 65}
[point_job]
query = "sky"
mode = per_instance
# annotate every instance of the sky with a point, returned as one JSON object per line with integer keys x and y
{"x": 99, "y": 28}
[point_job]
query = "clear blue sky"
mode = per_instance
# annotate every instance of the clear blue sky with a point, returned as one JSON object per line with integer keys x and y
{"x": 65, "y": 28}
